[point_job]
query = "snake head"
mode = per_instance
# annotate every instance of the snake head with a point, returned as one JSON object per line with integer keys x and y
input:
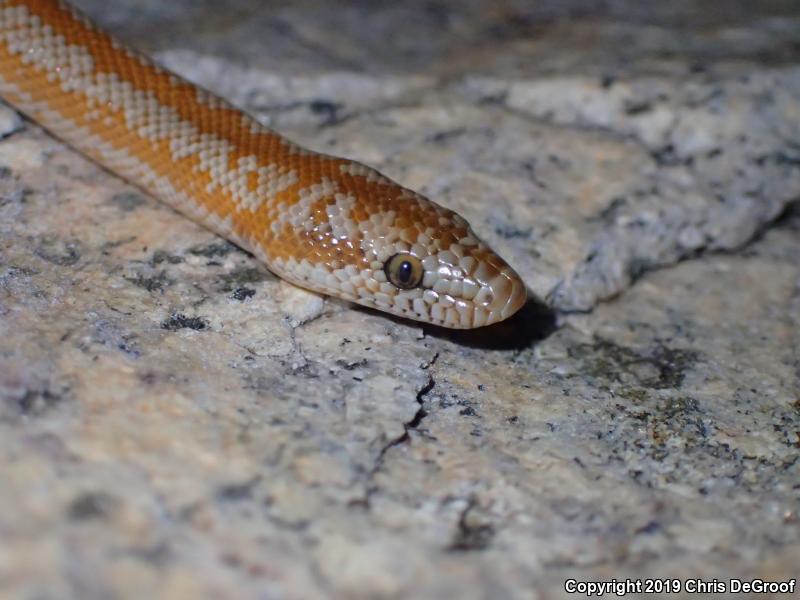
{"x": 383, "y": 246}
{"x": 430, "y": 266}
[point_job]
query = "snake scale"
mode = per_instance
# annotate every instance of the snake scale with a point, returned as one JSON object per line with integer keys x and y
{"x": 324, "y": 223}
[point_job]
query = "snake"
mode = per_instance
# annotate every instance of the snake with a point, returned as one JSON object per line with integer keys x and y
{"x": 324, "y": 223}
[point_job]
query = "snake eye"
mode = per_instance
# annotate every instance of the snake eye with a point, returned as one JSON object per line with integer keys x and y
{"x": 404, "y": 271}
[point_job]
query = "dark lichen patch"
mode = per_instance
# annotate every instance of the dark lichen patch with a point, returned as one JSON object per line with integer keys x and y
{"x": 219, "y": 248}
{"x": 675, "y": 407}
{"x": 92, "y": 505}
{"x": 675, "y": 432}
{"x": 235, "y": 492}
{"x": 508, "y": 230}
{"x": 677, "y": 418}
{"x": 786, "y": 423}
{"x": 659, "y": 367}
{"x": 110, "y": 335}
{"x": 352, "y": 365}
{"x": 241, "y": 276}
{"x": 672, "y": 364}
{"x": 33, "y": 401}
{"x": 243, "y": 293}
{"x": 64, "y": 253}
{"x": 9, "y": 272}
{"x": 162, "y": 256}
{"x": 127, "y": 201}
{"x": 151, "y": 283}
{"x": 780, "y": 157}
{"x": 635, "y": 394}
{"x": 666, "y": 156}
{"x": 327, "y": 109}
{"x": 178, "y": 321}
{"x": 637, "y": 107}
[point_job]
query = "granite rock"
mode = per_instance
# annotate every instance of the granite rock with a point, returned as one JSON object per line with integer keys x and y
{"x": 176, "y": 422}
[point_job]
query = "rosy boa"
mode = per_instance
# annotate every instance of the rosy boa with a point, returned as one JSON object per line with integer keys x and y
{"x": 324, "y": 223}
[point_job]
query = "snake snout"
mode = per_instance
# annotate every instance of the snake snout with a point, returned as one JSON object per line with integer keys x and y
{"x": 509, "y": 295}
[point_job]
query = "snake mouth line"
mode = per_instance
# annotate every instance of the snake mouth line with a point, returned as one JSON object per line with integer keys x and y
{"x": 488, "y": 294}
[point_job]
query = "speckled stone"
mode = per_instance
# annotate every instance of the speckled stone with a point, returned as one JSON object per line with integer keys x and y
{"x": 175, "y": 422}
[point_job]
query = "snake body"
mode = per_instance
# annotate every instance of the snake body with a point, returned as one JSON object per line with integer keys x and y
{"x": 324, "y": 223}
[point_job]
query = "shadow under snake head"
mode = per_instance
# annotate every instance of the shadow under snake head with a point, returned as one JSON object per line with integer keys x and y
{"x": 359, "y": 236}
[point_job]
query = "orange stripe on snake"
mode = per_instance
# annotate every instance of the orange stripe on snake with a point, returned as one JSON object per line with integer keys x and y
{"x": 324, "y": 223}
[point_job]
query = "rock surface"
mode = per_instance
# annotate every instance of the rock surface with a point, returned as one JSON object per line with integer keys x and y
{"x": 176, "y": 422}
